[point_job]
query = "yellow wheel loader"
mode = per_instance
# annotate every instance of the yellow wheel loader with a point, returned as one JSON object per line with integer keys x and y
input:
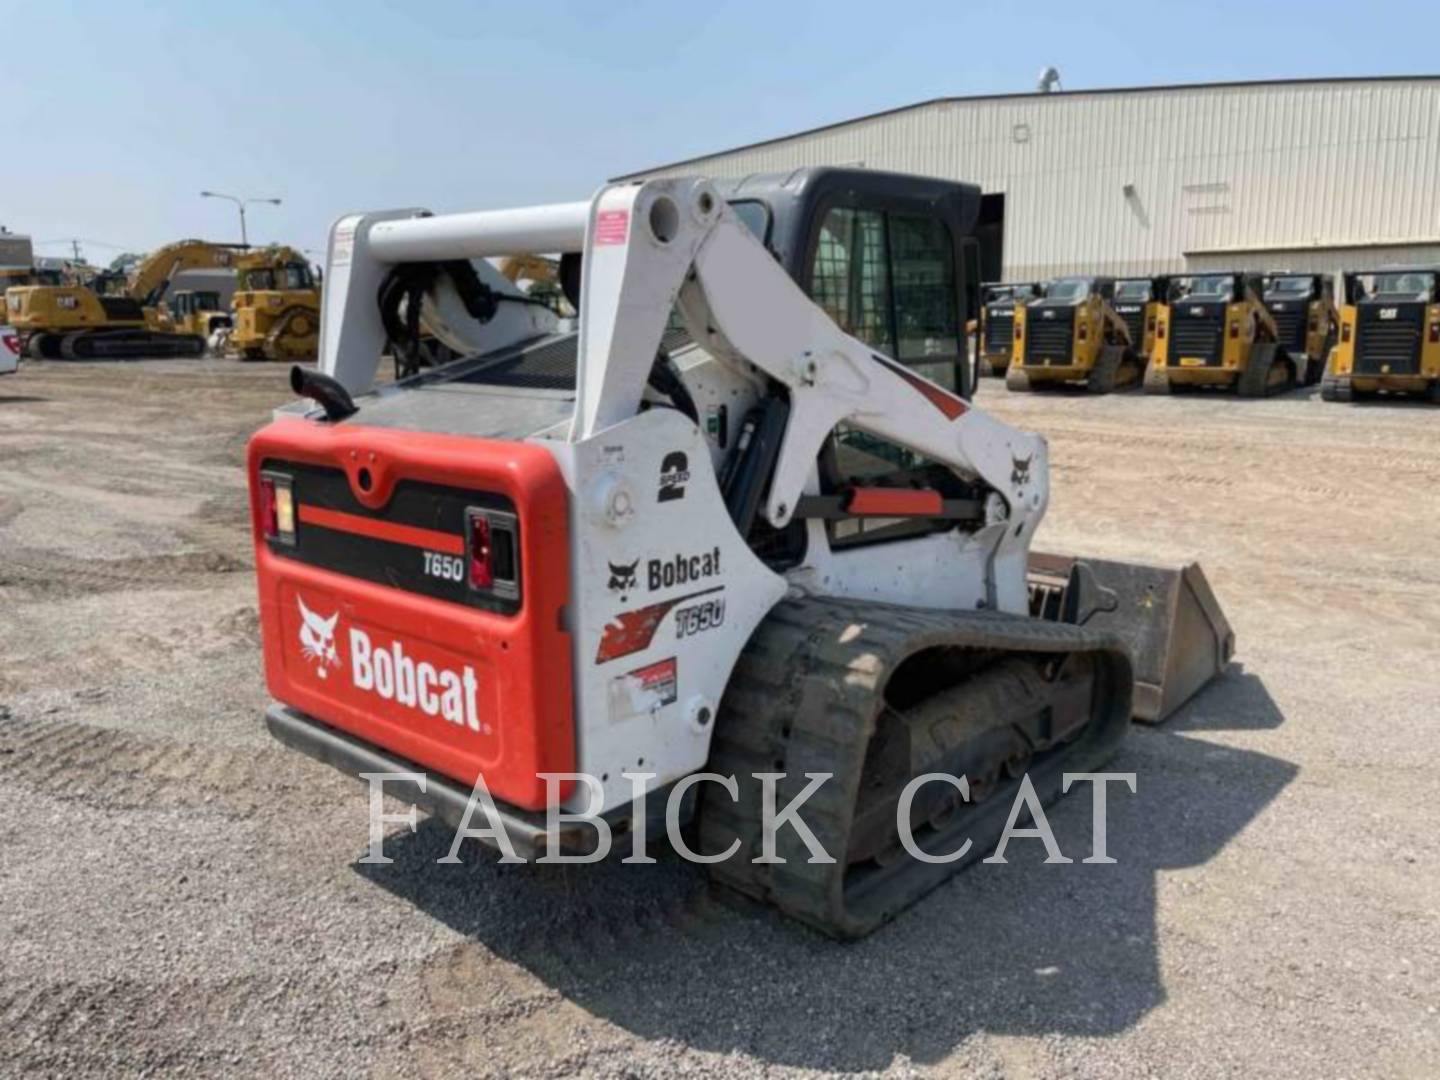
{"x": 276, "y": 306}
{"x": 1073, "y": 335}
{"x": 1138, "y": 302}
{"x": 80, "y": 322}
{"x": 639, "y": 580}
{"x": 1389, "y": 336}
{"x": 1214, "y": 331}
{"x": 1306, "y": 319}
{"x": 995, "y": 324}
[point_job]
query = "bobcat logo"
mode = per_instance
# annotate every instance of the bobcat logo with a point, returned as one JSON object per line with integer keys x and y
{"x": 622, "y": 577}
{"x": 1020, "y": 473}
{"x": 317, "y": 639}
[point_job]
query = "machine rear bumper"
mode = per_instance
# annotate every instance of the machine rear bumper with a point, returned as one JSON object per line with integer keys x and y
{"x": 1201, "y": 376}
{"x": 1408, "y": 384}
{"x": 423, "y": 788}
{"x": 1057, "y": 372}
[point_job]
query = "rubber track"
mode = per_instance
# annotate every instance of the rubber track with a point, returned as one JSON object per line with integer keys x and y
{"x": 804, "y": 698}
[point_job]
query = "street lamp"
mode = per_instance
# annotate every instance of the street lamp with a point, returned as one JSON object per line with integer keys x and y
{"x": 240, "y": 204}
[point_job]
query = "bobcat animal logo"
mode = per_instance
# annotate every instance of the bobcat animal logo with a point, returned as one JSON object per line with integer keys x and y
{"x": 622, "y": 576}
{"x": 1020, "y": 471}
{"x": 317, "y": 639}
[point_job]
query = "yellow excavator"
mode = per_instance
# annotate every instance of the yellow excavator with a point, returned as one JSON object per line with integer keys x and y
{"x": 276, "y": 306}
{"x": 78, "y": 322}
{"x": 540, "y": 278}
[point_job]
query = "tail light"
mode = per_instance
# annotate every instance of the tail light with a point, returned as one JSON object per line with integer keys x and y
{"x": 1345, "y": 332}
{"x": 277, "y": 507}
{"x": 1314, "y": 325}
{"x": 1084, "y": 332}
{"x": 1434, "y": 332}
{"x": 1234, "y": 329}
{"x": 1150, "y": 324}
{"x": 1019, "y": 329}
{"x": 492, "y": 552}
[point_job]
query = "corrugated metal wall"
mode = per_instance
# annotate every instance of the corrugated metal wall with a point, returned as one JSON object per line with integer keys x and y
{"x": 1133, "y": 181}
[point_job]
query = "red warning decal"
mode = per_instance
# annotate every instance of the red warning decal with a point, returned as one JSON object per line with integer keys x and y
{"x": 612, "y": 226}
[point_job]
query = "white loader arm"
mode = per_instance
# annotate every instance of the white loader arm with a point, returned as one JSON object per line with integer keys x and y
{"x": 652, "y": 244}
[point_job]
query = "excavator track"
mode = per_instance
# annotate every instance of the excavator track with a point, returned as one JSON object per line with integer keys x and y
{"x": 875, "y": 694}
{"x": 129, "y": 345}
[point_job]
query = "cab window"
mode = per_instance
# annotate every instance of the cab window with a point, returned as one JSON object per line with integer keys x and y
{"x": 851, "y": 275}
{"x": 888, "y": 279}
{"x": 924, "y": 275}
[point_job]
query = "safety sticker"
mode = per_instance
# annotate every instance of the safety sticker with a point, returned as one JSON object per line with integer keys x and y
{"x": 645, "y": 690}
{"x": 612, "y": 226}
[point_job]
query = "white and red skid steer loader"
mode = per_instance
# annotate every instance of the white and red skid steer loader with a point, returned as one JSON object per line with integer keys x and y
{"x": 746, "y": 522}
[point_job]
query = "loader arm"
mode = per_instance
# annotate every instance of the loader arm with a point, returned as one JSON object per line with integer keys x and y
{"x": 746, "y": 310}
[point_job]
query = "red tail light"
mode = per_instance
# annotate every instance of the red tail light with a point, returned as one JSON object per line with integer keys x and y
{"x": 1084, "y": 332}
{"x": 1314, "y": 325}
{"x": 1345, "y": 332}
{"x": 1019, "y": 330}
{"x": 482, "y": 555}
{"x": 1160, "y": 331}
{"x": 277, "y": 507}
{"x": 1150, "y": 324}
{"x": 1234, "y": 329}
{"x": 493, "y": 552}
{"x": 1434, "y": 332}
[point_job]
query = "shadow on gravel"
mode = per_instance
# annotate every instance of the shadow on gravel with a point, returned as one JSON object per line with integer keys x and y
{"x": 1236, "y": 701}
{"x": 20, "y": 399}
{"x": 1021, "y": 949}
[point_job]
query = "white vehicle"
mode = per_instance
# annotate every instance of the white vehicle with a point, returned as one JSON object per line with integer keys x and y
{"x": 9, "y": 350}
{"x": 16, "y": 257}
{"x": 776, "y": 540}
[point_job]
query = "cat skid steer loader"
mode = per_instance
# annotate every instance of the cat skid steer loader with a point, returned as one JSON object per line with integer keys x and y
{"x": 1073, "y": 335}
{"x": 1389, "y": 335}
{"x": 1306, "y": 319}
{"x": 995, "y": 330}
{"x": 1214, "y": 331}
{"x": 1138, "y": 301}
{"x": 776, "y": 542}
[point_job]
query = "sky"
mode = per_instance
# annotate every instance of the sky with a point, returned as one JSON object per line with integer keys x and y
{"x": 117, "y": 115}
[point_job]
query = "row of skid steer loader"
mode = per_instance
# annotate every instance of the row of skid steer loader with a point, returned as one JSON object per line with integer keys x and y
{"x": 746, "y": 521}
{"x": 1251, "y": 333}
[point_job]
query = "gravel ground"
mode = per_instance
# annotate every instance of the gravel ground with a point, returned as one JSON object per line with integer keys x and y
{"x": 178, "y": 894}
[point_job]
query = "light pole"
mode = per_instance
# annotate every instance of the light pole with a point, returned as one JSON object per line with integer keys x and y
{"x": 240, "y": 204}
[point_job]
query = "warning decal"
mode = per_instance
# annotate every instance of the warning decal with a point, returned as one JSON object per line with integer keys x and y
{"x": 612, "y": 226}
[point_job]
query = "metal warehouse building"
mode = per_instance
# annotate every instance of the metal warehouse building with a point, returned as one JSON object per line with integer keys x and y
{"x": 1316, "y": 174}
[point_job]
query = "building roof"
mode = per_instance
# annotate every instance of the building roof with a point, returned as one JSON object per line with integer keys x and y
{"x": 1031, "y": 95}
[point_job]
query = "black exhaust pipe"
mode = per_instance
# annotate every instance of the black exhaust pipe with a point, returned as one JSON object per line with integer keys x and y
{"x": 318, "y": 386}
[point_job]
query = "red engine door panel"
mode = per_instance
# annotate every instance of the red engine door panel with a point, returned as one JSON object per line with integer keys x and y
{"x": 461, "y": 690}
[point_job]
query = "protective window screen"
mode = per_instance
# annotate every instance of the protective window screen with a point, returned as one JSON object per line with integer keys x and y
{"x": 925, "y": 309}
{"x": 851, "y": 277}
